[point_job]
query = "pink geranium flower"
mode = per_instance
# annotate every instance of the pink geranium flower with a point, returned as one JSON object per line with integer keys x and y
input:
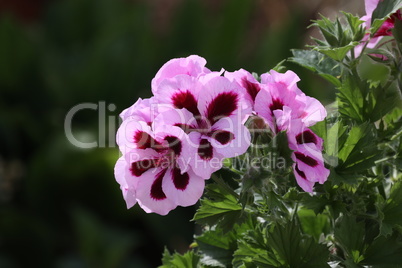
{"x": 212, "y": 114}
{"x": 281, "y": 101}
{"x": 156, "y": 173}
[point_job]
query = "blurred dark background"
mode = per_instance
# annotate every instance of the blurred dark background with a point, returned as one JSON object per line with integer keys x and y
{"x": 60, "y": 205}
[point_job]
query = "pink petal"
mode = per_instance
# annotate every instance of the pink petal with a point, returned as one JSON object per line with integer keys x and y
{"x": 230, "y": 138}
{"x": 287, "y": 80}
{"x": 205, "y": 160}
{"x": 311, "y": 162}
{"x": 179, "y": 92}
{"x": 134, "y": 134}
{"x": 183, "y": 189}
{"x": 248, "y": 82}
{"x": 313, "y": 112}
{"x": 128, "y": 190}
{"x": 370, "y": 6}
{"x": 301, "y": 179}
{"x": 150, "y": 194}
{"x": 262, "y": 105}
{"x": 221, "y": 98}
{"x": 192, "y": 66}
{"x": 299, "y": 134}
{"x": 176, "y": 117}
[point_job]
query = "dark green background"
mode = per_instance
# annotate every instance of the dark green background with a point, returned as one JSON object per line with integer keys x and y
{"x": 60, "y": 205}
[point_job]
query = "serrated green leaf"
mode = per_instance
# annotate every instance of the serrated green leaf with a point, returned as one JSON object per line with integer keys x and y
{"x": 337, "y": 53}
{"x": 318, "y": 63}
{"x": 313, "y": 224}
{"x": 392, "y": 209}
{"x": 295, "y": 249}
{"x": 355, "y": 25}
{"x": 351, "y": 99}
{"x": 358, "y": 153}
{"x": 221, "y": 206}
{"x": 282, "y": 245}
{"x": 188, "y": 260}
{"x": 383, "y": 10}
{"x": 217, "y": 247}
{"x": 349, "y": 236}
{"x": 385, "y": 100}
{"x": 372, "y": 71}
{"x": 384, "y": 252}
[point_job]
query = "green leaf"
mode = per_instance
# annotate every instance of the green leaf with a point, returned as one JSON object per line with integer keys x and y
{"x": 313, "y": 224}
{"x": 217, "y": 247}
{"x": 296, "y": 249}
{"x": 383, "y": 10}
{"x": 373, "y": 71}
{"x": 397, "y": 32}
{"x": 349, "y": 236}
{"x": 385, "y": 99}
{"x": 221, "y": 207}
{"x": 324, "y": 66}
{"x": 384, "y": 252}
{"x": 337, "y": 53}
{"x": 392, "y": 209}
{"x": 188, "y": 260}
{"x": 351, "y": 99}
{"x": 355, "y": 26}
{"x": 358, "y": 153}
{"x": 280, "y": 245}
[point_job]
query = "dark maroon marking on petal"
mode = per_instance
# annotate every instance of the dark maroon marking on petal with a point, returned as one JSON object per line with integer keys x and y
{"x": 301, "y": 173}
{"x": 156, "y": 188}
{"x": 186, "y": 128}
{"x": 185, "y": 99}
{"x": 306, "y": 159}
{"x": 276, "y": 105}
{"x": 222, "y": 136}
{"x": 180, "y": 181}
{"x": 205, "y": 149}
{"x": 144, "y": 140}
{"x": 221, "y": 106}
{"x": 306, "y": 137}
{"x": 252, "y": 88}
{"x": 139, "y": 167}
{"x": 174, "y": 144}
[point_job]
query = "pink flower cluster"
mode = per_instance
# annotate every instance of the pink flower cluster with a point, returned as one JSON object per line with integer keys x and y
{"x": 284, "y": 107}
{"x": 172, "y": 142}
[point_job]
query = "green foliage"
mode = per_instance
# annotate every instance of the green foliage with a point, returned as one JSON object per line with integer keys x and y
{"x": 324, "y": 66}
{"x": 280, "y": 245}
{"x": 383, "y": 10}
{"x": 189, "y": 259}
{"x": 221, "y": 207}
